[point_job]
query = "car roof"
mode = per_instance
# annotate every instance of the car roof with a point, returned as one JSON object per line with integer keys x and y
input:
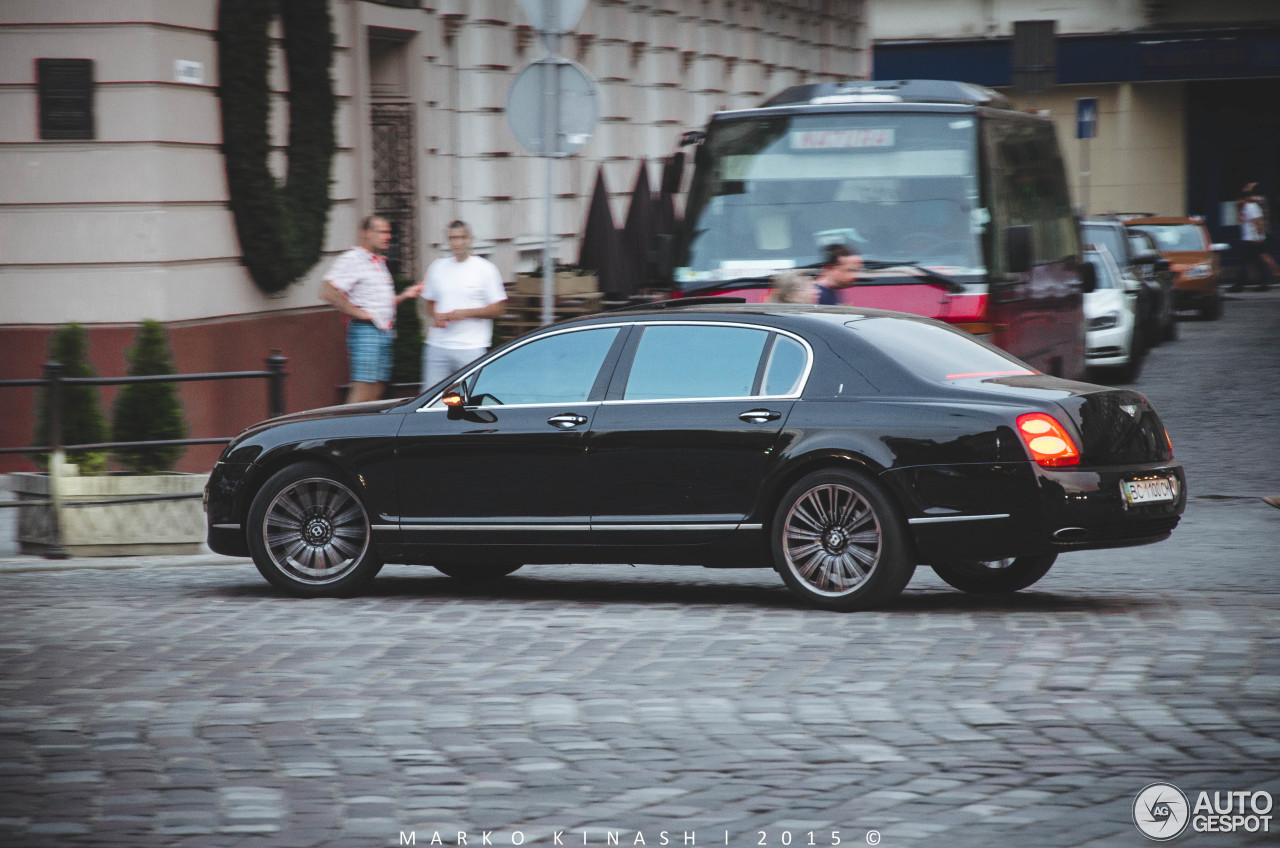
{"x": 783, "y": 314}
{"x": 1164, "y": 219}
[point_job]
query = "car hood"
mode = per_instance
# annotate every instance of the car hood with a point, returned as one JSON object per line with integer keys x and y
{"x": 323, "y": 413}
{"x": 1102, "y": 301}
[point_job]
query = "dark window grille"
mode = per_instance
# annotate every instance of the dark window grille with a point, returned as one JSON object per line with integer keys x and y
{"x": 65, "y": 90}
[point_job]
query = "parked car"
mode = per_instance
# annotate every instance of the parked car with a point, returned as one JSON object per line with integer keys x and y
{"x": 840, "y": 446}
{"x": 1111, "y": 321}
{"x": 1154, "y": 301}
{"x": 1192, "y": 257}
{"x": 1145, "y": 247}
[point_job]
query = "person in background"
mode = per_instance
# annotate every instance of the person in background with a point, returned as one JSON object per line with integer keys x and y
{"x": 359, "y": 286}
{"x": 462, "y": 294}
{"x": 792, "y": 287}
{"x": 1253, "y": 240}
{"x": 839, "y": 271}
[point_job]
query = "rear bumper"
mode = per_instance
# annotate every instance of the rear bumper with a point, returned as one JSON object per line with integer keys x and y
{"x": 994, "y": 511}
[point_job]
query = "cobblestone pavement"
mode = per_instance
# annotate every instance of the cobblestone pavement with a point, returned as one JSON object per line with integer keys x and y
{"x": 195, "y": 707}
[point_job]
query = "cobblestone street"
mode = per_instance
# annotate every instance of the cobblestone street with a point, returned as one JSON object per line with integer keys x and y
{"x": 192, "y": 706}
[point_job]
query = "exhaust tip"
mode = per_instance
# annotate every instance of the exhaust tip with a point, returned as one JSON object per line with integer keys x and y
{"x": 1070, "y": 534}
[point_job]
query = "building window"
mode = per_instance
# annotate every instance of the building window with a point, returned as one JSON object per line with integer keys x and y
{"x": 65, "y": 88}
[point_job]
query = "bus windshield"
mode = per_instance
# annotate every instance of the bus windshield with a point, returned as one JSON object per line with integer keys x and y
{"x": 770, "y": 193}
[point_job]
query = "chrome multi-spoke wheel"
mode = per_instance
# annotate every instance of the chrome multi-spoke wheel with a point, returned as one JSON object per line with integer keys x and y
{"x": 838, "y": 541}
{"x": 995, "y": 576}
{"x": 831, "y": 539}
{"x": 309, "y": 533}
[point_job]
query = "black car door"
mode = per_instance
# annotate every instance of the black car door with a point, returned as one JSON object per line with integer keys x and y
{"x": 679, "y": 446}
{"x": 512, "y": 467}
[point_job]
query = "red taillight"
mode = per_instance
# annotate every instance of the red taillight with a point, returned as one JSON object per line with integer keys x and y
{"x": 1169, "y": 440}
{"x": 1049, "y": 442}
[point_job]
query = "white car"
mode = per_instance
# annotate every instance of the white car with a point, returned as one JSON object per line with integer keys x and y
{"x": 1110, "y": 313}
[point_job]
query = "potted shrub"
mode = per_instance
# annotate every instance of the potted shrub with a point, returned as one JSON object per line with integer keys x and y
{"x": 142, "y": 412}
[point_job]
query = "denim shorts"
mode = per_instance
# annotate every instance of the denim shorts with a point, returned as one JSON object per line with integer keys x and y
{"x": 370, "y": 352}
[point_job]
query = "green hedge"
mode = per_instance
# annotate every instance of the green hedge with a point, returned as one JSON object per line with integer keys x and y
{"x": 281, "y": 229}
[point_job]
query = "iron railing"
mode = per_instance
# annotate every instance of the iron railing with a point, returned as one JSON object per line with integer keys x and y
{"x": 53, "y": 382}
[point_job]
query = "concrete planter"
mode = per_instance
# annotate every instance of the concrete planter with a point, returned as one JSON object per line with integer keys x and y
{"x": 136, "y": 529}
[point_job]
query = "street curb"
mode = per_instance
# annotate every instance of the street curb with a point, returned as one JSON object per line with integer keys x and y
{"x": 28, "y": 564}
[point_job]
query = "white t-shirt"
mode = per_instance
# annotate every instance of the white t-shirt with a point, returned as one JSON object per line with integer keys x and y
{"x": 470, "y": 284}
{"x": 1251, "y": 222}
{"x": 365, "y": 280}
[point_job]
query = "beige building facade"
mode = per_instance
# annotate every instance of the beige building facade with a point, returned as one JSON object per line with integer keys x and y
{"x": 1184, "y": 89}
{"x": 133, "y": 221}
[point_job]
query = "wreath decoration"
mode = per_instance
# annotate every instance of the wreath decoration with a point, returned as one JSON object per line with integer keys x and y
{"x": 281, "y": 228}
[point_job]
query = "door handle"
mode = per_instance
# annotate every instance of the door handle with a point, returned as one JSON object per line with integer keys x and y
{"x": 567, "y": 420}
{"x": 759, "y": 416}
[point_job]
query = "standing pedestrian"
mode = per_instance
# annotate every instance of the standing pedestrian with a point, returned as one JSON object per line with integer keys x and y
{"x": 462, "y": 294}
{"x": 359, "y": 286}
{"x": 839, "y": 271}
{"x": 792, "y": 287}
{"x": 1253, "y": 240}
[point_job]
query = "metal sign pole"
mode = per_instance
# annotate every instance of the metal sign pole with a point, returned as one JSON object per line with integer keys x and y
{"x": 551, "y": 118}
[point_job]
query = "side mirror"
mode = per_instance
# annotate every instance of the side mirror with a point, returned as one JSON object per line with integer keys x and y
{"x": 1088, "y": 275}
{"x": 1017, "y": 248}
{"x": 455, "y": 399}
{"x": 1162, "y": 265}
{"x": 1146, "y": 257}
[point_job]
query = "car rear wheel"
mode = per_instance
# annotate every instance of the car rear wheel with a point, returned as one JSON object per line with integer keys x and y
{"x": 840, "y": 543}
{"x": 1211, "y": 308}
{"x": 309, "y": 533}
{"x": 477, "y": 572}
{"x": 997, "y": 576}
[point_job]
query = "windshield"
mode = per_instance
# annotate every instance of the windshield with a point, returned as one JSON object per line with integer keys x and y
{"x": 1172, "y": 237}
{"x": 1107, "y": 270}
{"x": 1112, "y": 238}
{"x": 772, "y": 193}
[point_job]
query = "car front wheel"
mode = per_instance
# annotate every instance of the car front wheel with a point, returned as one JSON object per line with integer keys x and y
{"x": 839, "y": 542}
{"x": 309, "y": 533}
{"x": 997, "y": 576}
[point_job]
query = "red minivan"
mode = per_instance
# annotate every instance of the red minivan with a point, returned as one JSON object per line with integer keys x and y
{"x": 956, "y": 202}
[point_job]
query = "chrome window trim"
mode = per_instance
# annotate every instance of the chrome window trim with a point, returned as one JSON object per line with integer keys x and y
{"x": 227, "y": 526}
{"x": 804, "y": 378}
{"x": 939, "y": 519}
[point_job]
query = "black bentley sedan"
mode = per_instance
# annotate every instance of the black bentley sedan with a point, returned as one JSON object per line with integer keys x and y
{"x": 839, "y": 446}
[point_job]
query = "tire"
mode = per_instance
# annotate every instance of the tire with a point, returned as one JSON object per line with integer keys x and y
{"x": 839, "y": 542}
{"x": 477, "y": 572}
{"x": 1211, "y": 308}
{"x": 995, "y": 577}
{"x": 309, "y": 534}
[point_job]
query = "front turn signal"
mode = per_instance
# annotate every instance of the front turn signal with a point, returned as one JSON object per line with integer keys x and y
{"x": 1048, "y": 441}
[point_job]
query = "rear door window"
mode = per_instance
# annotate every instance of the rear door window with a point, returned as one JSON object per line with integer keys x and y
{"x": 686, "y": 361}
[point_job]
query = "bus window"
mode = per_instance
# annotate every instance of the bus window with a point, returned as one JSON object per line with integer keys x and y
{"x": 1027, "y": 186}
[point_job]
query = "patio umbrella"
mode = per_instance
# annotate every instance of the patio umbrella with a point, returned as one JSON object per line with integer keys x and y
{"x": 601, "y": 249}
{"x": 640, "y": 231}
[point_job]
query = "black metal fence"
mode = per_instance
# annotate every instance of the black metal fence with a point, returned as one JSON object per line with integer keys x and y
{"x": 53, "y": 382}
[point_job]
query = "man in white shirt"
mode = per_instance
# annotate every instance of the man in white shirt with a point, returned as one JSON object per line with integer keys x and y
{"x": 462, "y": 295}
{"x": 359, "y": 286}
{"x": 1253, "y": 240}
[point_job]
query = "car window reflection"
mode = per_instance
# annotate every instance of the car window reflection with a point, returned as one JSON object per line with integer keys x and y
{"x": 556, "y": 369}
{"x": 683, "y": 361}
